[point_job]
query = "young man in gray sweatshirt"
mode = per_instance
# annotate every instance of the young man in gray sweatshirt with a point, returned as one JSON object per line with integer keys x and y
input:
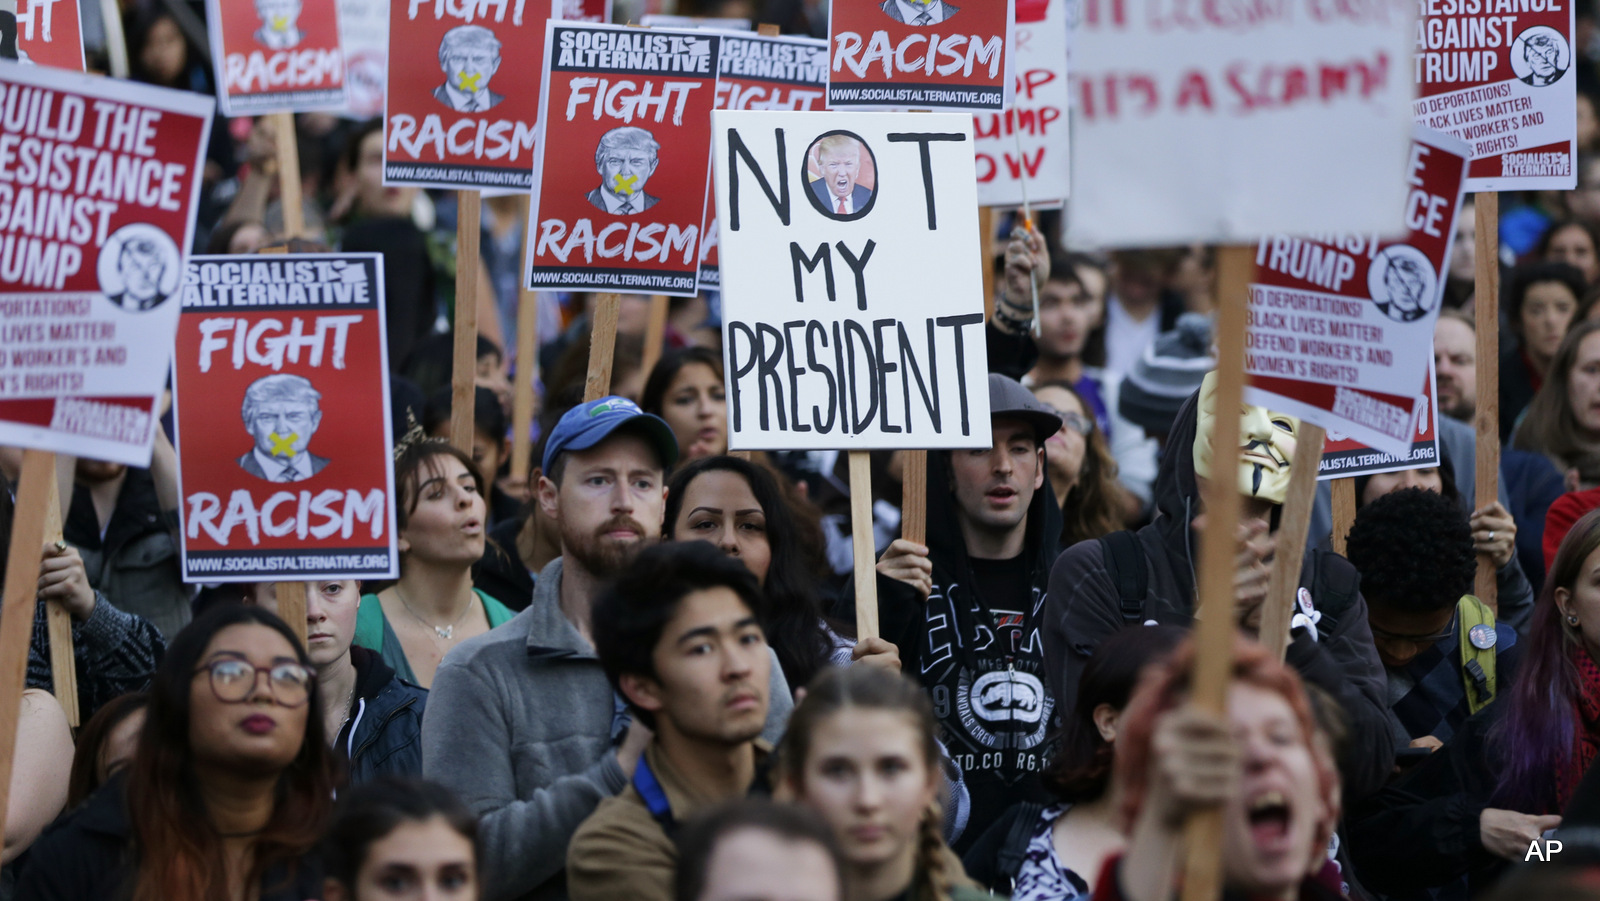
{"x": 522, "y": 722}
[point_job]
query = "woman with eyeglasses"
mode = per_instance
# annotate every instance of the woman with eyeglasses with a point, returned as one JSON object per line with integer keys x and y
{"x": 228, "y": 792}
{"x": 1082, "y": 472}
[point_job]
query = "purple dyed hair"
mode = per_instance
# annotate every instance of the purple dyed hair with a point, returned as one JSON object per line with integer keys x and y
{"x": 1535, "y": 737}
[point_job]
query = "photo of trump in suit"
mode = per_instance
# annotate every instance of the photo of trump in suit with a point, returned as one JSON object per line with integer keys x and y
{"x": 469, "y": 56}
{"x": 838, "y": 159}
{"x": 626, "y": 157}
{"x": 918, "y": 12}
{"x": 281, "y": 414}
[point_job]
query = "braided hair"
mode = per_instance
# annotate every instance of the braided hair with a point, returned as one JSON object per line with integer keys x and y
{"x": 871, "y": 688}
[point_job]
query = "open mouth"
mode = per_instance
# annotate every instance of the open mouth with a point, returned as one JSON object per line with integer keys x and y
{"x": 1269, "y": 819}
{"x": 1001, "y": 494}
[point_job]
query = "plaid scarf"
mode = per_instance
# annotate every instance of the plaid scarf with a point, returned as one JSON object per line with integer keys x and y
{"x": 1586, "y": 731}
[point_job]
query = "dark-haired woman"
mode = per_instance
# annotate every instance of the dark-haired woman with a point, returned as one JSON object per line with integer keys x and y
{"x": 1541, "y": 301}
{"x": 1563, "y": 421}
{"x": 685, "y": 388}
{"x": 442, "y": 523}
{"x": 1508, "y": 773}
{"x": 737, "y": 506}
{"x": 106, "y": 745}
{"x": 1082, "y": 471}
{"x": 1053, "y": 852}
{"x": 229, "y": 789}
{"x": 400, "y": 839}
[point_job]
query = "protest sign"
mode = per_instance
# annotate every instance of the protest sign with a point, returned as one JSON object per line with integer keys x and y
{"x": 621, "y": 175}
{"x": 455, "y": 116}
{"x": 1344, "y": 457}
{"x": 364, "y": 30}
{"x": 281, "y": 393}
{"x": 1499, "y": 74}
{"x": 582, "y": 10}
{"x": 99, "y": 179}
{"x": 276, "y": 55}
{"x": 763, "y": 72}
{"x": 852, "y": 302}
{"x": 1022, "y": 153}
{"x": 1338, "y": 321}
{"x": 49, "y": 33}
{"x": 1222, "y": 123}
{"x": 919, "y": 54}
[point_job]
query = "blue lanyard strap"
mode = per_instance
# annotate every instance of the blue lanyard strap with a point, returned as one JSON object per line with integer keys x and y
{"x": 655, "y": 798}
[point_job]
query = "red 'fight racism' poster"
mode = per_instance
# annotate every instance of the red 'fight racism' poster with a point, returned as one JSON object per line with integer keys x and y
{"x": 284, "y": 457}
{"x": 622, "y": 172}
{"x": 276, "y": 55}
{"x": 463, "y": 98}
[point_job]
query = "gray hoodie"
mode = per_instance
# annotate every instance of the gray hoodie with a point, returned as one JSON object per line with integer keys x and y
{"x": 520, "y": 725}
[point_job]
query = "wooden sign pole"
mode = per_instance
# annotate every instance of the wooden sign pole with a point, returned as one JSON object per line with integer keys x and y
{"x": 602, "y": 347}
{"x": 464, "y": 362}
{"x": 866, "y": 570}
{"x": 63, "y": 671}
{"x": 655, "y": 334}
{"x": 1344, "y": 512}
{"x": 116, "y": 42}
{"x": 1291, "y": 549}
{"x": 1215, "y": 627}
{"x": 35, "y": 485}
{"x": 294, "y": 221}
{"x": 1486, "y": 315}
{"x": 527, "y": 369}
{"x": 985, "y": 236}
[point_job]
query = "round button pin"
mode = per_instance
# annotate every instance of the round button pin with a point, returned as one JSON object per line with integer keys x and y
{"x": 1482, "y": 636}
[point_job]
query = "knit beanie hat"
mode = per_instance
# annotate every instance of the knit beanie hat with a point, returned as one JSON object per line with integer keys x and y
{"x": 1166, "y": 374}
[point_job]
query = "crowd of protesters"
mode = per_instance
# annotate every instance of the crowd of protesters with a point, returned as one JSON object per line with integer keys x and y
{"x": 632, "y": 671}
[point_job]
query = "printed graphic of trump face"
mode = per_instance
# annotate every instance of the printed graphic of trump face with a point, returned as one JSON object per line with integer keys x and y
{"x": 1402, "y": 282}
{"x": 469, "y": 56}
{"x": 279, "y": 24}
{"x": 138, "y": 268}
{"x": 918, "y": 12}
{"x": 281, "y": 414}
{"x": 1544, "y": 57}
{"x": 626, "y": 157}
{"x": 837, "y": 192}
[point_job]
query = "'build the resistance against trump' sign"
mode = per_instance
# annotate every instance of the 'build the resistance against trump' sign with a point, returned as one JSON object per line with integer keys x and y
{"x": 852, "y": 301}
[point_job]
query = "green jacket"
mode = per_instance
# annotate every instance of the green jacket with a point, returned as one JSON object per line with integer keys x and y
{"x": 374, "y": 632}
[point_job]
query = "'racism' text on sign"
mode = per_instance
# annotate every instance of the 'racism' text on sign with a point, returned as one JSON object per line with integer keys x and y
{"x": 284, "y": 458}
{"x": 621, "y": 190}
{"x": 463, "y": 105}
{"x": 1337, "y": 321}
{"x": 98, "y": 184}
{"x": 852, "y": 304}
{"x": 276, "y": 55}
{"x": 920, "y": 54}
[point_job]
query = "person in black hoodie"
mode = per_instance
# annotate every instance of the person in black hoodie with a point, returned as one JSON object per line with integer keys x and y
{"x": 964, "y": 611}
{"x": 373, "y": 717}
{"x": 1097, "y": 587}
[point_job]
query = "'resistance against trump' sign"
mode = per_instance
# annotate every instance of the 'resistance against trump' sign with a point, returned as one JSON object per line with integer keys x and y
{"x": 276, "y": 55}
{"x": 462, "y": 106}
{"x": 99, "y": 180}
{"x": 1338, "y": 322}
{"x": 620, "y": 191}
{"x": 281, "y": 399}
{"x": 852, "y": 303}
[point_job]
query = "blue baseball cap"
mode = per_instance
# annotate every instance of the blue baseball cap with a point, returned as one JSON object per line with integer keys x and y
{"x": 588, "y": 424}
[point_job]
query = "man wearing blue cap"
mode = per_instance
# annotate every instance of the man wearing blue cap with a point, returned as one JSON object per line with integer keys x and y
{"x": 522, "y": 722}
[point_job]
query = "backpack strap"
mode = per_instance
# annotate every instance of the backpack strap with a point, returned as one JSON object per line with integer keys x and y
{"x": 1476, "y": 627}
{"x": 1014, "y": 852}
{"x": 1332, "y": 593}
{"x": 1125, "y": 563}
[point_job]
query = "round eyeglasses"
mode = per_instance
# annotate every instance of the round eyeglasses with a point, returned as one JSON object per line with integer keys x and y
{"x": 232, "y": 681}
